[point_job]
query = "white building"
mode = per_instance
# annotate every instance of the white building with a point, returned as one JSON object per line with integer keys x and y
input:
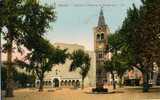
{"x": 60, "y": 76}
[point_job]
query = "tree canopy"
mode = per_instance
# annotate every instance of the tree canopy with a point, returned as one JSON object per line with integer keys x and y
{"x": 139, "y": 36}
{"x": 80, "y": 60}
{"x": 25, "y": 22}
{"x": 42, "y": 59}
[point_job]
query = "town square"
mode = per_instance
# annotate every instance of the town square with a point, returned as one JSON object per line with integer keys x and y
{"x": 80, "y": 50}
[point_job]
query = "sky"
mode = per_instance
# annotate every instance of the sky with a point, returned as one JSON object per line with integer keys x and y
{"x": 77, "y": 18}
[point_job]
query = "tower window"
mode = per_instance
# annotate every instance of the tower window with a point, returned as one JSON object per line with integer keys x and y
{"x": 102, "y": 36}
{"x": 98, "y": 37}
{"x": 100, "y": 55}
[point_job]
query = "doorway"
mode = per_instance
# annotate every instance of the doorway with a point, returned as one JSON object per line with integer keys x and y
{"x": 56, "y": 82}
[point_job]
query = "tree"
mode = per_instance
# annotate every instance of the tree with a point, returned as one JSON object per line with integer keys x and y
{"x": 19, "y": 77}
{"x": 24, "y": 20}
{"x": 110, "y": 64}
{"x": 42, "y": 59}
{"x": 121, "y": 67}
{"x": 140, "y": 34}
{"x": 80, "y": 60}
{"x": 148, "y": 38}
{"x": 118, "y": 63}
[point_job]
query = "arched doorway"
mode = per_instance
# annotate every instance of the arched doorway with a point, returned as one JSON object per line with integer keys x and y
{"x": 73, "y": 82}
{"x": 77, "y": 83}
{"x": 65, "y": 83}
{"x": 56, "y": 82}
{"x": 62, "y": 83}
{"x": 50, "y": 83}
{"x": 69, "y": 82}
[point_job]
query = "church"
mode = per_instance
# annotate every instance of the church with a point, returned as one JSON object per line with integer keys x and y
{"x": 97, "y": 76}
{"x": 60, "y": 75}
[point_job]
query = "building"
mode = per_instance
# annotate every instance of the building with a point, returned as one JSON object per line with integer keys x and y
{"x": 131, "y": 76}
{"x": 20, "y": 77}
{"x": 60, "y": 75}
{"x": 101, "y": 32}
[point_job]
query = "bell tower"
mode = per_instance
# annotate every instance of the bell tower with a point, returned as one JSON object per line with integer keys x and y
{"x": 101, "y": 32}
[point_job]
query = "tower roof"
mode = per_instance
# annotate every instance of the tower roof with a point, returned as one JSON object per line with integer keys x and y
{"x": 101, "y": 20}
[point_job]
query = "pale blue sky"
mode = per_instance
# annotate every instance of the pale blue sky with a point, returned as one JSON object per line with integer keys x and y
{"x": 76, "y": 19}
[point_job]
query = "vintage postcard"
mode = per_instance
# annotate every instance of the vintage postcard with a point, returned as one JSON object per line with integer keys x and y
{"x": 80, "y": 49}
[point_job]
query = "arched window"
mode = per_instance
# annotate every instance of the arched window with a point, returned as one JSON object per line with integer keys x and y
{"x": 102, "y": 36}
{"x": 98, "y": 37}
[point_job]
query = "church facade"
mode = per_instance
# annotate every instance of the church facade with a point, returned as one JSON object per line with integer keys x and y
{"x": 60, "y": 76}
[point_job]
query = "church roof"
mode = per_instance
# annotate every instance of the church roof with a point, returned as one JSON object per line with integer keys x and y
{"x": 101, "y": 20}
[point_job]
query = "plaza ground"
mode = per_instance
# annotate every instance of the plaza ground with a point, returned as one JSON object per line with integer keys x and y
{"x": 126, "y": 93}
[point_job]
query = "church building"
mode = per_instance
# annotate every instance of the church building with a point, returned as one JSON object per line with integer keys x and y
{"x": 60, "y": 76}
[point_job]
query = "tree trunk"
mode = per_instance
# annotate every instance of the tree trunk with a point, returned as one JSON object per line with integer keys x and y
{"x": 41, "y": 85}
{"x": 82, "y": 84}
{"x": 113, "y": 80}
{"x": 10, "y": 82}
{"x": 120, "y": 81}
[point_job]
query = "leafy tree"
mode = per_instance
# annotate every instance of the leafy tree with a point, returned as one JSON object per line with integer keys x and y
{"x": 20, "y": 77}
{"x": 114, "y": 42}
{"x": 42, "y": 59}
{"x": 24, "y": 20}
{"x": 121, "y": 67}
{"x": 81, "y": 60}
{"x": 140, "y": 34}
{"x": 118, "y": 63}
{"x": 147, "y": 37}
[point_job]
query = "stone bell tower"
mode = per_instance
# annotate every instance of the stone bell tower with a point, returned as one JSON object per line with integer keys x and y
{"x": 101, "y": 32}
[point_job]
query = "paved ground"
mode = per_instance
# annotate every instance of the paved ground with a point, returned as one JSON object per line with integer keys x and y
{"x": 72, "y": 94}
